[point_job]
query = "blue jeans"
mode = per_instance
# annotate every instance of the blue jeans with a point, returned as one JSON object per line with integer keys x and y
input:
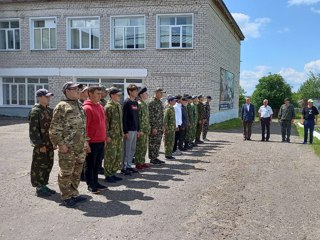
{"x": 308, "y": 126}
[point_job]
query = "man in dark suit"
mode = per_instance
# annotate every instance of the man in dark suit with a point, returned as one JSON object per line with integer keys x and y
{"x": 247, "y": 116}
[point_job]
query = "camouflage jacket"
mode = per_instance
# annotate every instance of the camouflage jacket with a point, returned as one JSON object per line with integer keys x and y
{"x": 156, "y": 114}
{"x": 206, "y": 107}
{"x": 190, "y": 114}
{"x": 286, "y": 113}
{"x": 169, "y": 121}
{"x": 144, "y": 117}
{"x": 39, "y": 122}
{"x": 68, "y": 124}
{"x": 200, "y": 111}
{"x": 103, "y": 102}
{"x": 114, "y": 119}
{"x": 195, "y": 112}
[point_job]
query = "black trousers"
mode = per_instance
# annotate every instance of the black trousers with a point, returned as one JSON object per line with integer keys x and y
{"x": 247, "y": 125}
{"x": 93, "y": 163}
{"x": 265, "y": 124}
{"x": 176, "y": 140}
{"x": 179, "y": 139}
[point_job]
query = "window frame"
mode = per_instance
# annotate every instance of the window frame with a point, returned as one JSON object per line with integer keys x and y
{"x": 68, "y": 27}
{"x": 112, "y": 33}
{"x": 14, "y": 37}
{"x": 25, "y": 84}
{"x": 32, "y": 42}
{"x": 158, "y": 36}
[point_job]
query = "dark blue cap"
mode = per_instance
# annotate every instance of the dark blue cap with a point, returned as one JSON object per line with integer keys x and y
{"x": 43, "y": 92}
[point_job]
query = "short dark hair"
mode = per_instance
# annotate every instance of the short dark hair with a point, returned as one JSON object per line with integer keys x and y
{"x": 131, "y": 88}
{"x": 92, "y": 89}
{"x": 287, "y": 99}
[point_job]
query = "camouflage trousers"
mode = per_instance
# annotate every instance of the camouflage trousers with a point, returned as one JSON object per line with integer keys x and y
{"x": 113, "y": 153}
{"x": 169, "y": 138}
{"x": 141, "y": 150}
{"x": 71, "y": 165}
{"x": 41, "y": 167}
{"x": 205, "y": 129}
{"x": 198, "y": 131}
{"x": 154, "y": 145}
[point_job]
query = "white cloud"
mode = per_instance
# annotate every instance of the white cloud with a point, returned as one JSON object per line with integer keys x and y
{"x": 251, "y": 29}
{"x": 285, "y": 30}
{"x": 313, "y": 66}
{"x": 250, "y": 78}
{"x": 293, "y": 77}
{"x": 302, "y": 2}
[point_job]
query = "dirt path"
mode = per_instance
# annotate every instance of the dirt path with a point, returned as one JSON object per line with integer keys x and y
{"x": 226, "y": 189}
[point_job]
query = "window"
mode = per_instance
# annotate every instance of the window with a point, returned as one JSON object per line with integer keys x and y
{"x": 175, "y": 31}
{"x": 21, "y": 91}
{"x": 43, "y": 34}
{"x": 10, "y": 35}
{"x": 128, "y": 32}
{"x": 84, "y": 33}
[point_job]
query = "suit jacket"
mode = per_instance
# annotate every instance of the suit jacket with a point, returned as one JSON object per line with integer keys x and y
{"x": 247, "y": 116}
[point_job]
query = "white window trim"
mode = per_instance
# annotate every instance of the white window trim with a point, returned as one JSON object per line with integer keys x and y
{"x": 13, "y": 19}
{"x": 31, "y": 29}
{"x": 158, "y": 30}
{"x": 112, "y": 33}
{"x": 69, "y": 33}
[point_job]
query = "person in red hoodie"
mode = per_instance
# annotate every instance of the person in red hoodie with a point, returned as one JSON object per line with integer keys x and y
{"x": 96, "y": 132}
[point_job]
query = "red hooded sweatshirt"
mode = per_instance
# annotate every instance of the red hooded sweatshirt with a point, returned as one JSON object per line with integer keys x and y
{"x": 96, "y": 122}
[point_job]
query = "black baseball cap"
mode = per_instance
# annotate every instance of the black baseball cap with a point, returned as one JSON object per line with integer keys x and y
{"x": 142, "y": 90}
{"x": 43, "y": 92}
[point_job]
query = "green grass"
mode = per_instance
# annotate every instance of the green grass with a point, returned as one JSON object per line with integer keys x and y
{"x": 316, "y": 141}
{"x": 230, "y": 124}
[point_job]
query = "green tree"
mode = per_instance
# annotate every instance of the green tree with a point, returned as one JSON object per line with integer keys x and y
{"x": 311, "y": 87}
{"x": 272, "y": 87}
{"x": 242, "y": 97}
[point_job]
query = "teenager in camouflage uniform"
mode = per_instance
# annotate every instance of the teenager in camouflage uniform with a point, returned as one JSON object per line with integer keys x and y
{"x": 68, "y": 132}
{"x": 194, "y": 106}
{"x": 169, "y": 124}
{"x": 200, "y": 119}
{"x": 42, "y": 159}
{"x": 188, "y": 141}
{"x": 142, "y": 142}
{"x": 156, "y": 122}
{"x": 114, "y": 146}
{"x": 207, "y": 118}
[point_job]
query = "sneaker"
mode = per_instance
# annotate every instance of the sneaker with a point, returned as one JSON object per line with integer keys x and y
{"x": 155, "y": 162}
{"x": 304, "y": 143}
{"x": 206, "y": 139}
{"x": 126, "y": 172}
{"x": 51, "y": 191}
{"x": 69, "y": 203}
{"x": 262, "y": 140}
{"x": 169, "y": 157}
{"x": 110, "y": 179}
{"x": 101, "y": 171}
{"x": 42, "y": 192}
{"x": 199, "y": 141}
{"x": 79, "y": 198}
{"x": 133, "y": 170}
{"x": 177, "y": 153}
{"x": 161, "y": 162}
{"x": 93, "y": 190}
{"x": 101, "y": 187}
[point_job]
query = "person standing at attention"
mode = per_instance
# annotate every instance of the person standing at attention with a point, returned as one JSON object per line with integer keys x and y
{"x": 265, "y": 115}
{"x": 286, "y": 118}
{"x": 247, "y": 117}
{"x": 309, "y": 118}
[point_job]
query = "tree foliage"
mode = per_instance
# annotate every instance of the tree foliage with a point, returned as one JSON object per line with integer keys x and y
{"x": 311, "y": 87}
{"x": 272, "y": 87}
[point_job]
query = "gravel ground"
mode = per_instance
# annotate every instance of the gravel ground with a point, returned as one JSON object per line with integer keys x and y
{"x": 225, "y": 189}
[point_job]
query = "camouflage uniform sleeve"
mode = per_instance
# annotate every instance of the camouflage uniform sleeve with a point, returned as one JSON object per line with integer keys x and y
{"x": 166, "y": 119}
{"x": 35, "y": 128}
{"x": 152, "y": 115}
{"x": 57, "y": 126}
{"x": 108, "y": 110}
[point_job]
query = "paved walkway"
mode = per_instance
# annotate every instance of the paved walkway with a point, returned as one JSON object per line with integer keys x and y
{"x": 226, "y": 189}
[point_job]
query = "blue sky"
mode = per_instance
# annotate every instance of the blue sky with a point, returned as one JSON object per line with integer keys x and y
{"x": 282, "y": 36}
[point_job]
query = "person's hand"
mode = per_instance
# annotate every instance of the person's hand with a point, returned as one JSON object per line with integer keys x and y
{"x": 88, "y": 148}
{"x": 108, "y": 140}
{"x": 63, "y": 148}
{"x": 126, "y": 136}
{"x": 43, "y": 149}
{"x": 154, "y": 131}
{"x": 139, "y": 134}
{"x": 292, "y": 121}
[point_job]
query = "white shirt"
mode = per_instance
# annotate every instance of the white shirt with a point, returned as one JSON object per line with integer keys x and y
{"x": 265, "y": 112}
{"x": 178, "y": 114}
{"x": 248, "y": 107}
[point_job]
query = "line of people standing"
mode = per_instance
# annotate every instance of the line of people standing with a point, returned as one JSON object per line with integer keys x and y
{"x": 87, "y": 129}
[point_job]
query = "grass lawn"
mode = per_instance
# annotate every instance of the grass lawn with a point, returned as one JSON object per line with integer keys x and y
{"x": 316, "y": 141}
{"x": 230, "y": 124}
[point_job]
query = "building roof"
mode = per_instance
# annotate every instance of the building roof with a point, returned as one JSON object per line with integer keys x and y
{"x": 221, "y": 5}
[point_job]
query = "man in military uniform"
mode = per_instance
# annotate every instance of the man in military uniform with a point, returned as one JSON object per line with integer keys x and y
{"x": 42, "y": 159}
{"x": 206, "y": 121}
{"x": 156, "y": 123}
{"x": 286, "y": 118}
{"x": 68, "y": 132}
{"x": 142, "y": 142}
{"x": 188, "y": 141}
{"x": 169, "y": 125}
{"x": 200, "y": 119}
{"x": 104, "y": 94}
{"x": 113, "y": 151}
{"x": 194, "y": 106}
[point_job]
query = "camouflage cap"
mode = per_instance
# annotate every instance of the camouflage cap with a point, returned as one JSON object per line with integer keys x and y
{"x": 160, "y": 90}
{"x": 114, "y": 90}
{"x": 69, "y": 85}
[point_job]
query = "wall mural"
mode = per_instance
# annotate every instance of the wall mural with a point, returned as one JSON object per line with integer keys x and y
{"x": 226, "y": 90}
